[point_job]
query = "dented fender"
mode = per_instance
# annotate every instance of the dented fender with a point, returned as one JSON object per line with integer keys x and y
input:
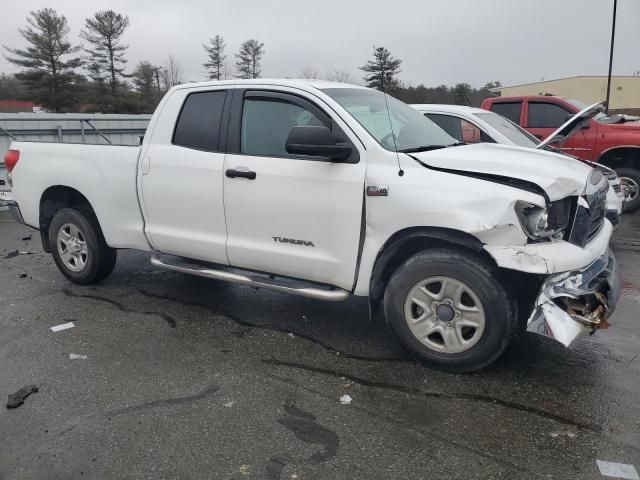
{"x": 551, "y": 257}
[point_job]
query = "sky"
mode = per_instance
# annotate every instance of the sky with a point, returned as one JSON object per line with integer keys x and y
{"x": 438, "y": 41}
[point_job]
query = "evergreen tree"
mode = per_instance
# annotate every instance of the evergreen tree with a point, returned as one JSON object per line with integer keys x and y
{"x": 104, "y": 31}
{"x": 48, "y": 60}
{"x": 215, "y": 64}
{"x": 382, "y": 70}
{"x": 144, "y": 82}
{"x": 248, "y": 59}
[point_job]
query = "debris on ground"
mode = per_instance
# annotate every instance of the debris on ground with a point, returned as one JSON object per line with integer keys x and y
{"x": 63, "y": 326}
{"x": 230, "y": 404}
{"x": 17, "y": 399}
{"x": 304, "y": 317}
{"x": 27, "y": 238}
{"x": 23, "y": 275}
{"x": 12, "y": 254}
{"x": 347, "y": 385}
{"x": 291, "y": 335}
{"x": 77, "y": 356}
{"x": 30, "y": 252}
{"x": 245, "y": 470}
{"x": 617, "y": 470}
{"x": 568, "y": 431}
{"x": 345, "y": 399}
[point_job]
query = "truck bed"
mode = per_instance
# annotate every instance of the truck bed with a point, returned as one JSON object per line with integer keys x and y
{"x": 104, "y": 174}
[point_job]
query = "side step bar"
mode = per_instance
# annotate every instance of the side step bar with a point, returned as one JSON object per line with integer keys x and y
{"x": 319, "y": 293}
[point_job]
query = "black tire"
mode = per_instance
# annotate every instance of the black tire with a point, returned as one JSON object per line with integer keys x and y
{"x": 500, "y": 319}
{"x": 633, "y": 176}
{"x": 100, "y": 259}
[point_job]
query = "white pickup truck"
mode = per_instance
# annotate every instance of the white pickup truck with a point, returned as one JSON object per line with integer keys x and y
{"x": 329, "y": 190}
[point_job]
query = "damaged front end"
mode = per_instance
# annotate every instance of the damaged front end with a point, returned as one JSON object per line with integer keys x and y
{"x": 573, "y": 304}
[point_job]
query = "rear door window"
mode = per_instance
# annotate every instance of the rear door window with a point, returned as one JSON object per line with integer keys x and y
{"x": 510, "y": 110}
{"x": 199, "y": 122}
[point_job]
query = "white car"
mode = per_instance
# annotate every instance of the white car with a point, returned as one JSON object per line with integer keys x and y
{"x": 474, "y": 125}
{"x": 343, "y": 191}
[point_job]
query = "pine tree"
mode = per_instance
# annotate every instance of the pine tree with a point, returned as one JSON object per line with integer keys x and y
{"x": 48, "y": 60}
{"x": 104, "y": 31}
{"x": 144, "y": 82}
{"x": 382, "y": 70}
{"x": 248, "y": 59}
{"x": 215, "y": 65}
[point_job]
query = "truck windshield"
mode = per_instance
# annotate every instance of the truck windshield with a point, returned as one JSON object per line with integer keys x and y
{"x": 506, "y": 127}
{"x": 412, "y": 131}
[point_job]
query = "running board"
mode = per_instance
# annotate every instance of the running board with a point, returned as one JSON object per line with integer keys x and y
{"x": 319, "y": 293}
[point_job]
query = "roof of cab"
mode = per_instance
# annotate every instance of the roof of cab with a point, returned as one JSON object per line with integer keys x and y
{"x": 443, "y": 108}
{"x": 287, "y": 82}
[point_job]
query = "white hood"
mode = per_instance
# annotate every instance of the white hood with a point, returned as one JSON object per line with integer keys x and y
{"x": 558, "y": 175}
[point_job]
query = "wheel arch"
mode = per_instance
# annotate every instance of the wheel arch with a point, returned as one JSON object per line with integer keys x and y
{"x": 55, "y": 198}
{"x": 621, "y": 156}
{"x": 405, "y": 243}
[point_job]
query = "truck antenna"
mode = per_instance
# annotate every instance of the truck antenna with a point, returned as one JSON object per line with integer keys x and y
{"x": 393, "y": 135}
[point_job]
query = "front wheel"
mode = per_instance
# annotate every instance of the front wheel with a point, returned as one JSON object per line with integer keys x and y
{"x": 78, "y": 247}
{"x": 449, "y": 308}
{"x": 630, "y": 182}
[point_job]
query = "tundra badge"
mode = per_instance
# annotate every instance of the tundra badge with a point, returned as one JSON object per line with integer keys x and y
{"x": 293, "y": 241}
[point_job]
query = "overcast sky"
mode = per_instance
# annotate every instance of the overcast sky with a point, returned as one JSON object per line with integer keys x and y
{"x": 439, "y": 41}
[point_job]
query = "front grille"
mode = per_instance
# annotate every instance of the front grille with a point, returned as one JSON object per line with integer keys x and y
{"x": 617, "y": 188}
{"x": 589, "y": 214}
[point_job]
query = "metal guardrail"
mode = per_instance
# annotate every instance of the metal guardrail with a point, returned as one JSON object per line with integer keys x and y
{"x": 85, "y": 126}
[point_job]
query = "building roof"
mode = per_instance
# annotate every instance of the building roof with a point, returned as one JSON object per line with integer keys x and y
{"x": 497, "y": 89}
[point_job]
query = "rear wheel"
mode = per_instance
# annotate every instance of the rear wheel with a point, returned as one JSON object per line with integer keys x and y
{"x": 630, "y": 182}
{"x": 78, "y": 246}
{"x": 448, "y": 308}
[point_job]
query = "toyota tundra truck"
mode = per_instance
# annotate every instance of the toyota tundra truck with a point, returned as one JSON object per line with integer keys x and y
{"x": 612, "y": 141}
{"x": 328, "y": 190}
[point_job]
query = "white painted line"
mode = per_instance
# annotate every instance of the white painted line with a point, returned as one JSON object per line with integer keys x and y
{"x": 617, "y": 470}
{"x": 64, "y": 326}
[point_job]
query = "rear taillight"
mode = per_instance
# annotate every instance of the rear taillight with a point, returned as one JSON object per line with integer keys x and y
{"x": 11, "y": 159}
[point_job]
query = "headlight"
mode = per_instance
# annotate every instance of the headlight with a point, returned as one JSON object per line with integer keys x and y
{"x": 544, "y": 222}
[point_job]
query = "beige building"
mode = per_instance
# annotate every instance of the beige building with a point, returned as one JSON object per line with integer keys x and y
{"x": 625, "y": 90}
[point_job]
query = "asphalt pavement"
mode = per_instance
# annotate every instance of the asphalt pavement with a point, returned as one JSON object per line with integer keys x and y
{"x": 189, "y": 378}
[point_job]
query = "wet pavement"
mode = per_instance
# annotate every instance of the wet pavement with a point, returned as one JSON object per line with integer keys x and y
{"x": 191, "y": 378}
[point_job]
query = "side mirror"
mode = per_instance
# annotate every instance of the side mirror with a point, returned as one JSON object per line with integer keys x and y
{"x": 316, "y": 141}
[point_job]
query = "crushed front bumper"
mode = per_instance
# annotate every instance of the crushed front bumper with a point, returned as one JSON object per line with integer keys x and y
{"x": 574, "y": 304}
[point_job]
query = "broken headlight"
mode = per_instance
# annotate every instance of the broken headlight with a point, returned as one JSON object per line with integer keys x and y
{"x": 547, "y": 222}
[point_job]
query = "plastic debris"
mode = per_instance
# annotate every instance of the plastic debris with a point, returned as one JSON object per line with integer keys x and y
{"x": 291, "y": 335}
{"x": 17, "y": 399}
{"x": 31, "y": 252}
{"x": 64, "y": 326}
{"x": 230, "y": 404}
{"x": 23, "y": 275}
{"x": 12, "y": 254}
{"x": 244, "y": 469}
{"x": 27, "y": 238}
{"x": 617, "y": 470}
{"x": 77, "y": 356}
{"x": 345, "y": 399}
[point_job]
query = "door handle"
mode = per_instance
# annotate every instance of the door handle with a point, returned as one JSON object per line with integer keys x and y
{"x": 233, "y": 173}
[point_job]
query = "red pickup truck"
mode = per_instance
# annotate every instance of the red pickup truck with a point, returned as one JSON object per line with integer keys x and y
{"x": 612, "y": 141}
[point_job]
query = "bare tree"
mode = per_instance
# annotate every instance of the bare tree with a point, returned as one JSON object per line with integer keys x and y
{"x": 342, "y": 76}
{"x": 171, "y": 73}
{"x": 309, "y": 73}
{"x": 215, "y": 52}
{"x": 248, "y": 59}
